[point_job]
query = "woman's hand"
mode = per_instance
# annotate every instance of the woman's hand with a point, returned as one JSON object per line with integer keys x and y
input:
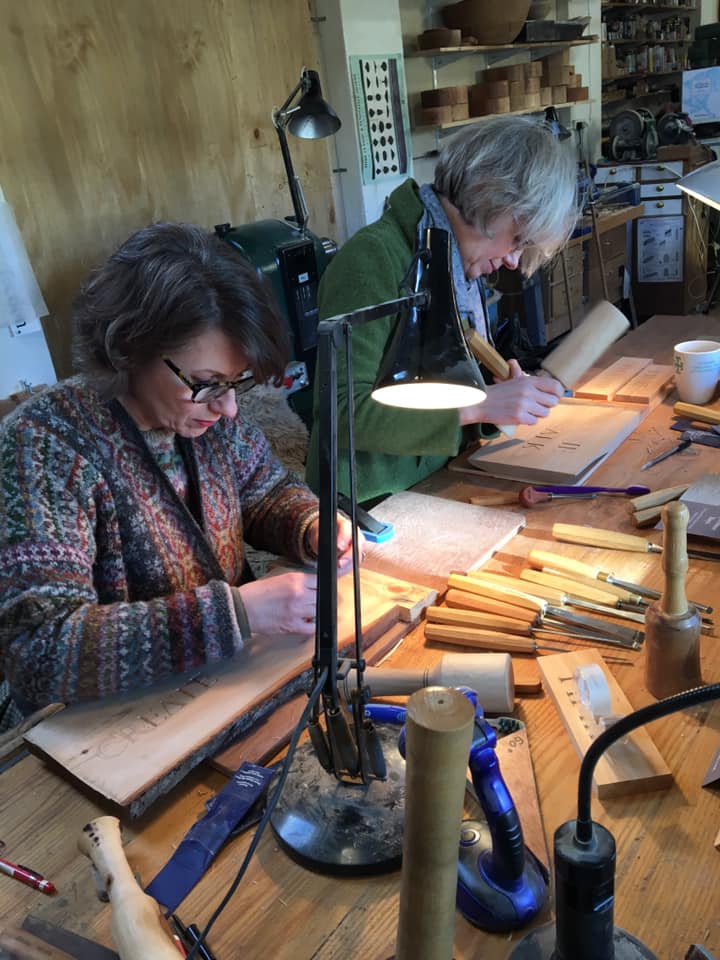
{"x": 344, "y": 542}
{"x": 281, "y": 604}
{"x": 519, "y": 399}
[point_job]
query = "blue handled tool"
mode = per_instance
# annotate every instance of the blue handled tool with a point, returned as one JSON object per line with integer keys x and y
{"x": 501, "y": 884}
{"x": 633, "y": 491}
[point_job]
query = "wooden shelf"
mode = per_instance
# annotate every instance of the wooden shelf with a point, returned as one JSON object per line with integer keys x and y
{"x": 639, "y": 76}
{"x": 642, "y": 43}
{"x": 636, "y": 96}
{"x": 452, "y": 124}
{"x": 495, "y": 48}
{"x": 649, "y": 7}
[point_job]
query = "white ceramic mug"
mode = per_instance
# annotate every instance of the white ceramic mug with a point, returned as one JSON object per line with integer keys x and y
{"x": 697, "y": 369}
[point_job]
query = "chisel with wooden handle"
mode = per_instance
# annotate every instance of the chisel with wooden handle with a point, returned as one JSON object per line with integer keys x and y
{"x": 484, "y": 639}
{"x": 554, "y": 595}
{"x": 496, "y": 364}
{"x": 540, "y": 627}
{"x": 556, "y": 561}
{"x": 626, "y": 636}
{"x": 465, "y": 600}
{"x": 612, "y": 540}
{"x": 702, "y": 414}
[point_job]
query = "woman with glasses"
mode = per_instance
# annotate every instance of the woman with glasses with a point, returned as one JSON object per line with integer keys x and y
{"x": 127, "y": 491}
{"x": 504, "y": 190}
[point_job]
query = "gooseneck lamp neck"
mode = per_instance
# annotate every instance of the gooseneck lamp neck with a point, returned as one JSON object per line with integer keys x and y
{"x": 311, "y": 118}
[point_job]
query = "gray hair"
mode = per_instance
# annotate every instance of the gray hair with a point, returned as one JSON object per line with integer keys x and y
{"x": 517, "y": 166}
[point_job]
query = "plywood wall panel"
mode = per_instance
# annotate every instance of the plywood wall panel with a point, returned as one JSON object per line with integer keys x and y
{"x": 115, "y": 114}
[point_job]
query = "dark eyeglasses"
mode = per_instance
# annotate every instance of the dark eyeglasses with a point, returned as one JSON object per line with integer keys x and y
{"x": 205, "y": 392}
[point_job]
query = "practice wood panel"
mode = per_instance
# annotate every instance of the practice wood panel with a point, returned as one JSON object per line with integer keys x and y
{"x": 434, "y": 536}
{"x": 565, "y": 447}
{"x": 646, "y": 386}
{"x": 131, "y": 749}
{"x": 631, "y": 765}
{"x": 605, "y": 385}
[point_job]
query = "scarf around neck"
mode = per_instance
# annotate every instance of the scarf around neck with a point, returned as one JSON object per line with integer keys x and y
{"x": 469, "y": 294}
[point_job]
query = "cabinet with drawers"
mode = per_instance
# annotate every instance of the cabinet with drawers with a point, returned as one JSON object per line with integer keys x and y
{"x": 670, "y": 240}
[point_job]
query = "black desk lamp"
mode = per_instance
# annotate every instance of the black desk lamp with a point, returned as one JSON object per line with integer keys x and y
{"x": 292, "y": 257}
{"x": 312, "y": 118}
{"x": 342, "y": 807}
{"x": 585, "y": 863}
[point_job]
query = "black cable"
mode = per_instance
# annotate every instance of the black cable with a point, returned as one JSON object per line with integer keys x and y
{"x": 271, "y": 804}
{"x": 688, "y": 698}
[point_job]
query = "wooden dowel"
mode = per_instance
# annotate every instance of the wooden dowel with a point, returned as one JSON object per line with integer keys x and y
{"x": 439, "y": 732}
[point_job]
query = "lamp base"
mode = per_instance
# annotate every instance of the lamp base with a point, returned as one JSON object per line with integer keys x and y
{"x": 343, "y": 828}
{"x": 539, "y": 944}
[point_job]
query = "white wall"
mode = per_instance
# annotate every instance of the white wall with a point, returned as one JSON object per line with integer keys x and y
{"x": 353, "y": 28}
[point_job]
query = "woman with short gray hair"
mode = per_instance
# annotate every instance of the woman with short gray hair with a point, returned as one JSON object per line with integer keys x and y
{"x": 505, "y": 191}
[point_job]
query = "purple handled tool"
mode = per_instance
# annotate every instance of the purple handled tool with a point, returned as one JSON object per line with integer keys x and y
{"x": 636, "y": 491}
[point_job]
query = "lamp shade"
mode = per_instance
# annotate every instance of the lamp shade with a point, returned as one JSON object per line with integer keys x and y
{"x": 313, "y": 118}
{"x": 428, "y": 365}
{"x": 703, "y": 184}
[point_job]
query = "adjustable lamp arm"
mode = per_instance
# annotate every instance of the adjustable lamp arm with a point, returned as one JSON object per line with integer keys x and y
{"x": 280, "y": 119}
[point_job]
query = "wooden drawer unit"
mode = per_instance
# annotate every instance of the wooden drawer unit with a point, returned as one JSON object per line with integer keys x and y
{"x": 669, "y": 242}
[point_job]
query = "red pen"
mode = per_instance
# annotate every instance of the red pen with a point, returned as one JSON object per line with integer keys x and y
{"x": 27, "y": 876}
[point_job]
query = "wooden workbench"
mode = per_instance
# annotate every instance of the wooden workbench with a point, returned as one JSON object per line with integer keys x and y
{"x": 668, "y": 871}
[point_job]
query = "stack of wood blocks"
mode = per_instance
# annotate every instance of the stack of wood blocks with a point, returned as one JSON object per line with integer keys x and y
{"x": 560, "y": 77}
{"x": 443, "y": 105}
{"x": 506, "y": 89}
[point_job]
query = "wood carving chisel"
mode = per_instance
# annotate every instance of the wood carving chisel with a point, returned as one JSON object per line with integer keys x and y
{"x": 630, "y": 638}
{"x": 577, "y": 588}
{"x": 612, "y": 540}
{"x": 484, "y": 639}
{"x": 554, "y": 595}
{"x": 540, "y": 626}
{"x": 683, "y": 445}
{"x": 557, "y": 561}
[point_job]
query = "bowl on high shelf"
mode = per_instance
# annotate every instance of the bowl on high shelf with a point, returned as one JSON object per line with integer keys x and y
{"x": 487, "y": 21}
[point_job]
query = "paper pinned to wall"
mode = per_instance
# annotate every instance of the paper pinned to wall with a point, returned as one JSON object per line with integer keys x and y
{"x": 21, "y": 302}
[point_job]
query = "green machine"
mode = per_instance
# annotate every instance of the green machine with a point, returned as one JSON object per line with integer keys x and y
{"x": 285, "y": 251}
{"x": 293, "y": 260}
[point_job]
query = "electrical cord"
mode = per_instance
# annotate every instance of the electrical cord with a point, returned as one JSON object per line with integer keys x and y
{"x": 688, "y": 698}
{"x": 271, "y": 804}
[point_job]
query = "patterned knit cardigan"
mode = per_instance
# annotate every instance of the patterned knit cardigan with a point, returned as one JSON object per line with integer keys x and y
{"x": 107, "y": 579}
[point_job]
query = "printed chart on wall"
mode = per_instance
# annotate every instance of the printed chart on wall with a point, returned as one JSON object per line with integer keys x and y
{"x": 660, "y": 249}
{"x": 381, "y": 111}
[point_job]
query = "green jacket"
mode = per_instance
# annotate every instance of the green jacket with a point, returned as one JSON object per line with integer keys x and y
{"x": 394, "y": 448}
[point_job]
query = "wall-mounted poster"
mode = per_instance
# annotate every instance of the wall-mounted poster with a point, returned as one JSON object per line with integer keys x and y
{"x": 660, "y": 249}
{"x": 380, "y": 102}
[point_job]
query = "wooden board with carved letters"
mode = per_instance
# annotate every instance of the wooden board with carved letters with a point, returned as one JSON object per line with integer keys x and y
{"x": 131, "y": 749}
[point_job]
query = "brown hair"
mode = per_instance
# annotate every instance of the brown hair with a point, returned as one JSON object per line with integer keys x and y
{"x": 166, "y": 284}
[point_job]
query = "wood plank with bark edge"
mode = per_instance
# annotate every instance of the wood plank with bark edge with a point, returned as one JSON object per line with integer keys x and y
{"x": 131, "y": 749}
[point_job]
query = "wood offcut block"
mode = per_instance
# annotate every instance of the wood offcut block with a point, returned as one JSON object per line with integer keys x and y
{"x": 632, "y": 764}
{"x": 606, "y": 384}
{"x": 647, "y": 384}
